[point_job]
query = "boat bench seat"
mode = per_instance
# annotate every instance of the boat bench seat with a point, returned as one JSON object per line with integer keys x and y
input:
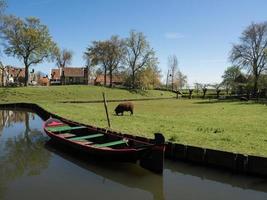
{"x": 66, "y": 135}
{"x": 87, "y": 137}
{"x": 64, "y": 128}
{"x": 83, "y": 142}
{"x": 109, "y": 144}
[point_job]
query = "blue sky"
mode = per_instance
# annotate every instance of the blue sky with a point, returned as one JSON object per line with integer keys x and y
{"x": 199, "y": 32}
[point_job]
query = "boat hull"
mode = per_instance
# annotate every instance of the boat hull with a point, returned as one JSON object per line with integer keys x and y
{"x": 149, "y": 154}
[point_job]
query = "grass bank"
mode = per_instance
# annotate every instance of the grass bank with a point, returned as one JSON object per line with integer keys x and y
{"x": 73, "y": 93}
{"x": 230, "y": 126}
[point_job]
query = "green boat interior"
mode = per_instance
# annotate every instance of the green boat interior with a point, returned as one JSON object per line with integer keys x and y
{"x": 82, "y": 135}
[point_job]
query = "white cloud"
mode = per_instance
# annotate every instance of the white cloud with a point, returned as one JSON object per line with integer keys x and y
{"x": 173, "y": 35}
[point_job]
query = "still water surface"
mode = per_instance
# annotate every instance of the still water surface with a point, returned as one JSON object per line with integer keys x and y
{"x": 31, "y": 167}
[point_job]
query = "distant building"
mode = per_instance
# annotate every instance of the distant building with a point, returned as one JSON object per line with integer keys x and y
{"x": 15, "y": 76}
{"x": 43, "y": 81}
{"x": 69, "y": 75}
{"x": 12, "y": 75}
{"x": 116, "y": 80}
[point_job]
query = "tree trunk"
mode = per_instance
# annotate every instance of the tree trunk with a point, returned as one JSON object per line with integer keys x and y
{"x": 204, "y": 93}
{"x": 172, "y": 83}
{"x": 255, "y": 86}
{"x": 26, "y": 75}
{"x": 105, "y": 76}
{"x": 218, "y": 93}
{"x": 133, "y": 80}
{"x": 110, "y": 79}
{"x": 190, "y": 93}
{"x": 2, "y": 78}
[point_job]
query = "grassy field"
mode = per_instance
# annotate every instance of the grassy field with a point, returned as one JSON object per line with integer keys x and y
{"x": 72, "y": 93}
{"x": 231, "y": 126}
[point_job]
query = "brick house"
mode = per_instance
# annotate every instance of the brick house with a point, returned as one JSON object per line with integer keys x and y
{"x": 69, "y": 75}
{"x": 12, "y": 75}
{"x": 43, "y": 81}
{"x": 116, "y": 80}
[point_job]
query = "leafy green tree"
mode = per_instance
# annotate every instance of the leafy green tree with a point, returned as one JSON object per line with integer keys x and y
{"x": 138, "y": 54}
{"x": 28, "y": 40}
{"x": 263, "y": 81}
{"x": 108, "y": 54}
{"x": 230, "y": 77}
{"x": 2, "y": 66}
{"x": 149, "y": 77}
{"x": 251, "y": 53}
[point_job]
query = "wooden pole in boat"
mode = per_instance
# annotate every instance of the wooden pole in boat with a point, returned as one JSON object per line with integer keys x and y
{"x": 106, "y": 108}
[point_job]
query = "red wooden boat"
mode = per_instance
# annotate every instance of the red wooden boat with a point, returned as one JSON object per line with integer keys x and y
{"x": 104, "y": 144}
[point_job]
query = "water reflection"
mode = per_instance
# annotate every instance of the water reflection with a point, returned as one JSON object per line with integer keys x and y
{"x": 23, "y": 153}
{"x": 198, "y": 182}
{"x": 219, "y": 176}
{"x": 9, "y": 117}
{"x": 126, "y": 174}
{"x": 33, "y": 167}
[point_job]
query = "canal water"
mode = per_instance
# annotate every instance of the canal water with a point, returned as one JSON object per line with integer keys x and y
{"x": 32, "y": 167}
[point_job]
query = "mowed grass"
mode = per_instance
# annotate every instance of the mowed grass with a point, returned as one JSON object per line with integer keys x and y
{"x": 231, "y": 126}
{"x": 73, "y": 93}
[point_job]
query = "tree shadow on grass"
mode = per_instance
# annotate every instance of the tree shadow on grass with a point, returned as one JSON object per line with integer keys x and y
{"x": 213, "y": 101}
{"x": 237, "y": 101}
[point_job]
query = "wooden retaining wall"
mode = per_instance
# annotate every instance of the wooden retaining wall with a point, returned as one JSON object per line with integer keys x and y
{"x": 238, "y": 163}
{"x": 235, "y": 162}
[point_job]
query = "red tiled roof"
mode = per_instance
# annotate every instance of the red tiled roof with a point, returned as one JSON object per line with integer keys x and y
{"x": 15, "y": 71}
{"x": 43, "y": 81}
{"x": 115, "y": 79}
{"x": 55, "y": 74}
{"x": 68, "y": 72}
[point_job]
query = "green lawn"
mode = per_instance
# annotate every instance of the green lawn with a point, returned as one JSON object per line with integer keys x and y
{"x": 72, "y": 93}
{"x": 230, "y": 126}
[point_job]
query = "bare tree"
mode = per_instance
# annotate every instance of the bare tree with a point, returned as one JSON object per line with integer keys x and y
{"x": 63, "y": 57}
{"x": 190, "y": 93}
{"x": 173, "y": 65}
{"x": 115, "y": 55}
{"x": 251, "y": 52}
{"x": 197, "y": 87}
{"x": 217, "y": 87}
{"x": 89, "y": 68}
{"x": 204, "y": 89}
{"x": 179, "y": 80}
{"x": 138, "y": 54}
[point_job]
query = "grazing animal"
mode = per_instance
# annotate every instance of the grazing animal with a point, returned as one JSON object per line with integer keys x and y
{"x": 125, "y": 106}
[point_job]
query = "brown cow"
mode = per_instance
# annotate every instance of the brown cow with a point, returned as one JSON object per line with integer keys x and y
{"x": 125, "y": 106}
